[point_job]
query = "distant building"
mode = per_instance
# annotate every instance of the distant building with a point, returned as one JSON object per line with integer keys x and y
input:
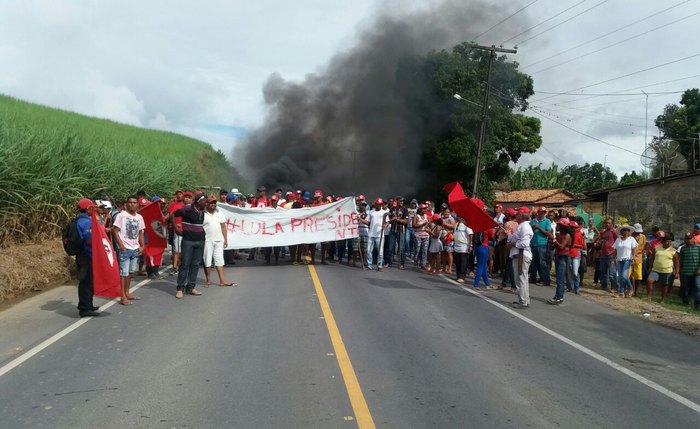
{"x": 671, "y": 202}
{"x": 551, "y": 198}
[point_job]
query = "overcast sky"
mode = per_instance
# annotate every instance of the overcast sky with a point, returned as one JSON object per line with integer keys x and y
{"x": 198, "y": 67}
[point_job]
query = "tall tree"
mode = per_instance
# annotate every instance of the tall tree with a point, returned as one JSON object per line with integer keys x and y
{"x": 681, "y": 123}
{"x": 451, "y": 154}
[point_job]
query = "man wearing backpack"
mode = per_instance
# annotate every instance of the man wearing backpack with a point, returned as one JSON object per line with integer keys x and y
{"x": 83, "y": 259}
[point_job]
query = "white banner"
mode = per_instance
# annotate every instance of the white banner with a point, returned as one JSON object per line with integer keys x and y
{"x": 268, "y": 227}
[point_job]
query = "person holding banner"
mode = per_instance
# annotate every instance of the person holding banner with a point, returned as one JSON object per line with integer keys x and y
{"x": 214, "y": 243}
{"x": 376, "y": 221}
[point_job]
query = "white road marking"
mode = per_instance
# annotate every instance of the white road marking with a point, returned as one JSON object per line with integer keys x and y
{"x": 664, "y": 391}
{"x": 19, "y": 360}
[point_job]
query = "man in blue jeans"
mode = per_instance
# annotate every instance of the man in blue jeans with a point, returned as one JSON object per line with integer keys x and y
{"x": 128, "y": 231}
{"x": 605, "y": 241}
{"x": 193, "y": 237}
{"x": 398, "y": 219}
{"x": 542, "y": 228}
{"x": 376, "y": 221}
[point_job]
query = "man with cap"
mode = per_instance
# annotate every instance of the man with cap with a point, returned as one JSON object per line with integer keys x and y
{"x": 543, "y": 232}
{"x": 688, "y": 270}
{"x": 520, "y": 255}
{"x": 410, "y": 240}
{"x": 398, "y": 218}
{"x": 360, "y": 243}
{"x": 193, "y": 237}
{"x": 376, "y": 222}
{"x": 261, "y": 201}
{"x": 223, "y": 194}
{"x": 318, "y": 201}
{"x": 83, "y": 260}
{"x": 605, "y": 241}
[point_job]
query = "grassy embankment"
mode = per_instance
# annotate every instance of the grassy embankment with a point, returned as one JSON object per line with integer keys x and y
{"x": 50, "y": 158}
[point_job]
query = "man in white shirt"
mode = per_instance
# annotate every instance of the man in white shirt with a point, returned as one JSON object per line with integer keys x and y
{"x": 128, "y": 233}
{"x": 214, "y": 243}
{"x": 521, "y": 256}
{"x": 376, "y": 221}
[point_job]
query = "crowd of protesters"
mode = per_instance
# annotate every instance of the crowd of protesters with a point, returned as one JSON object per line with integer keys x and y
{"x": 522, "y": 249}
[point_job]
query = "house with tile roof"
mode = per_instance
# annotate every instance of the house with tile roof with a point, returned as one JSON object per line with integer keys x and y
{"x": 550, "y": 198}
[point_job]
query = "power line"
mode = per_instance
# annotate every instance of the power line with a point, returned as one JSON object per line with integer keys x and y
{"x": 609, "y": 94}
{"x": 563, "y": 22}
{"x": 604, "y": 35}
{"x": 584, "y": 134}
{"x": 615, "y": 44}
{"x": 506, "y": 19}
{"x": 542, "y": 146}
{"x": 556, "y": 114}
{"x": 597, "y": 113}
{"x": 628, "y": 89}
{"x": 625, "y": 75}
{"x": 543, "y": 22}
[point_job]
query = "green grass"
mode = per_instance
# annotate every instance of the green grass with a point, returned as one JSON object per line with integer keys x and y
{"x": 50, "y": 158}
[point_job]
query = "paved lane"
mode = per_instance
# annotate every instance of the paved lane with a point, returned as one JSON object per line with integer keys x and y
{"x": 431, "y": 355}
{"x": 251, "y": 356}
{"x": 425, "y": 353}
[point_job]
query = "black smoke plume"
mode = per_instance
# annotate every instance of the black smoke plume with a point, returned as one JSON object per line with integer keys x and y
{"x": 357, "y": 106}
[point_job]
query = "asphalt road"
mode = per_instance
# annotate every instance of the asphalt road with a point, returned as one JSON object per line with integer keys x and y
{"x": 425, "y": 354}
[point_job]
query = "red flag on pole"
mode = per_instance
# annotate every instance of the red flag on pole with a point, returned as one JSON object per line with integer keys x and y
{"x": 470, "y": 209}
{"x": 105, "y": 266}
{"x": 156, "y": 233}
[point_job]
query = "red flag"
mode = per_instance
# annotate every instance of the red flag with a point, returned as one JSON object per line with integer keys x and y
{"x": 470, "y": 209}
{"x": 105, "y": 266}
{"x": 156, "y": 234}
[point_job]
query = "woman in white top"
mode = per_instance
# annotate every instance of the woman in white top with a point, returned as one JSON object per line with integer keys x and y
{"x": 624, "y": 245}
{"x": 462, "y": 244}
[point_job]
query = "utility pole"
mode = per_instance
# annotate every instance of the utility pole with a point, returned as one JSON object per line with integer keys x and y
{"x": 646, "y": 120}
{"x": 492, "y": 53}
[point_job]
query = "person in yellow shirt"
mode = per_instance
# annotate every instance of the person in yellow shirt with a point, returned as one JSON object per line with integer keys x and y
{"x": 636, "y": 273}
{"x": 663, "y": 262}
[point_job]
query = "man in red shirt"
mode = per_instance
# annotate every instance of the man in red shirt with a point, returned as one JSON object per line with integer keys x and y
{"x": 179, "y": 201}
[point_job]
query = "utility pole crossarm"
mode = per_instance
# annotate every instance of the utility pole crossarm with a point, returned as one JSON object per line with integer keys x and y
{"x": 495, "y": 49}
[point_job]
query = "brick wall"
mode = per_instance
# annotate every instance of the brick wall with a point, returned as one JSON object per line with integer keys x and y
{"x": 673, "y": 205}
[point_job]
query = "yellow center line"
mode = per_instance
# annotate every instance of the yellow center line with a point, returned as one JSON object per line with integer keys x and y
{"x": 357, "y": 399}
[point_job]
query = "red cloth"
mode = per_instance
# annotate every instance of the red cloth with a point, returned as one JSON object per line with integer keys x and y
{"x": 174, "y": 206}
{"x": 155, "y": 229}
{"x": 105, "y": 266}
{"x": 468, "y": 209}
{"x": 489, "y": 234}
{"x": 579, "y": 243}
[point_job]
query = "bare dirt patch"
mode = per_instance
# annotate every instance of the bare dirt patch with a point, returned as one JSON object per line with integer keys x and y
{"x": 652, "y": 311}
{"x": 27, "y": 268}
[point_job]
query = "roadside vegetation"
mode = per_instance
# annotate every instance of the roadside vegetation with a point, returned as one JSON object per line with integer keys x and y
{"x": 50, "y": 158}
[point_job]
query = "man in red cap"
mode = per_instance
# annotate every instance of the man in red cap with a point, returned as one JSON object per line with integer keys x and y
{"x": 83, "y": 260}
{"x": 543, "y": 230}
{"x": 318, "y": 201}
{"x": 376, "y": 222}
{"x": 521, "y": 255}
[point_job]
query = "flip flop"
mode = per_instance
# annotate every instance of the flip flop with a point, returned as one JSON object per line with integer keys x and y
{"x": 125, "y": 302}
{"x": 229, "y": 284}
{"x": 133, "y": 298}
{"x": 207, "y": 284}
